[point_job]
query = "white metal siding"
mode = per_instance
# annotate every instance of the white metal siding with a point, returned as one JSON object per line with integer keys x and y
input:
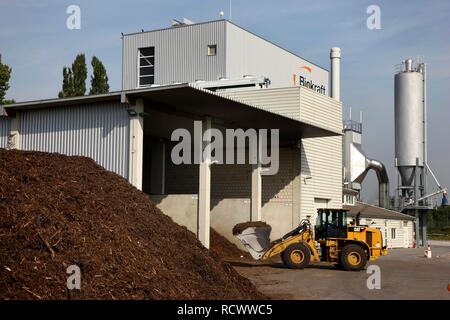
{"x": 180, "y": 54}
{"x": 97, "y": 131}
{"x": 297, "y": 103}
{"x": 319, "y": 110}
{"x": 404, "y": 233}
{"x": 321, "y": 160}
{"x": 321, "y": 157}
{"x": 5, "y": 127}
{"x": 248, "y": 54}
{"x": 398, "y": 226}
{"x": 283, "y": 101}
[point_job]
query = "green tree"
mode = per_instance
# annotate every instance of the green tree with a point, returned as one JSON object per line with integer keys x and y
{"x": 5, "y": 75}
{"x": 67, "y": 86}
{"x": 439, "y": 217}
{"x": 99, "y": 78}
{"x": 79, "y": 71}
{"x": 74, "y": 79}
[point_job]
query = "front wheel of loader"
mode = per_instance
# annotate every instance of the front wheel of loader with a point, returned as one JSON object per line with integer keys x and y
{"x": 353, "y": 258}
{"x": 296, "y": 256}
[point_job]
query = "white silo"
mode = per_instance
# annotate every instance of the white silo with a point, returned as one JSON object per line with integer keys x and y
{"x": 411, "y": 145}
{"x": 410, "y": 126}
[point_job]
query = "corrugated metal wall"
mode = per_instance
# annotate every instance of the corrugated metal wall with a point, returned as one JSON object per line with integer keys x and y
{"x": 180, "y": 54}
{"x": 5, "y": 125}
{"x": 248, "y": 54}
{"x": 97, "y": 131}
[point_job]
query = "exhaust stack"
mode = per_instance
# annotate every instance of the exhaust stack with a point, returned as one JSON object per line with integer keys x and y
{"x": 335, "y": 57}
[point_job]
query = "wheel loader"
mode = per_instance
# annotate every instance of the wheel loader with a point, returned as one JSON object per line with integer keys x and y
{"x": 347, "y": 246}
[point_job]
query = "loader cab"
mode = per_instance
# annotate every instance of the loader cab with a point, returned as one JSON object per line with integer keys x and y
{"x": 331, "y": 223}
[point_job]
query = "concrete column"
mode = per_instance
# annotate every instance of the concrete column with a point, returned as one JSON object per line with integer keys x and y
{"x": 158, "y": 168}
{"x": 417, "y": 227}
{"x": 424, "y": 228}
{"x": 416, "y": 203}
{"x": 136, "y": 144}
{"x": 204, "y": 186}
{"x": 296, "y": 187}
{"x": 256, "y": 200}
{"x": 15, "y": 141}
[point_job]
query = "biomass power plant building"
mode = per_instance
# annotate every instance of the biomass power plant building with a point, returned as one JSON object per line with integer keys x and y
{"x": 215, "y": 75}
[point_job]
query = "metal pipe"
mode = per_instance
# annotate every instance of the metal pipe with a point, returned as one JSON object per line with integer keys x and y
{"x": 383, "y": 182}
{"x": 423, "y": 67}
{"x": 408, "y": 65}
{"x": 335, "y": 57}
{"x": 434, "y": 177}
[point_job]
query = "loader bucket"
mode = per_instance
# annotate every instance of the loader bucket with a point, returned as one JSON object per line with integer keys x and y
{"x": 256, "y": 240}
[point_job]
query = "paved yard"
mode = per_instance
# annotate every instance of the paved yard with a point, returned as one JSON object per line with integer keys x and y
{"x": 405, "y": 274}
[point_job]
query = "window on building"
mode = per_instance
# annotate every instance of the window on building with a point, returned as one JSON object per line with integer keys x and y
{"x": 349, "y": 200}
{"x": 212, "y": 50}
{"x": 393, "y": 234}
{"x": 146, "y": 66}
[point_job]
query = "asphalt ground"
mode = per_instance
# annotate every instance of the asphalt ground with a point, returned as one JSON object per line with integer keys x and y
{"x": 404, "y": 274}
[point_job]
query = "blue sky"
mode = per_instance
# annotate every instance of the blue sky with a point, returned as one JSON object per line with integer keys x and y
{"x": 35, "y": 42}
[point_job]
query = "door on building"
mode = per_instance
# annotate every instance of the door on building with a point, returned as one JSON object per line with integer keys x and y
{"x": 405, "y": 235}
{"x": 319, "y": 203}
{"x": 384, "y": 233}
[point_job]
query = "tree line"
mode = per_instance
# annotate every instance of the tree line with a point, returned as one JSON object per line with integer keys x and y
{"x": 74, "y": 79}
{"x": 439, "y": 217}
{"x": 5, "y": 76}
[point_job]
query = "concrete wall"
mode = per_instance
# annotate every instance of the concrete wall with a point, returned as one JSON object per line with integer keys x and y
{"x": 182, "y": 208}
{"x": 225, "y": 214}
{"x": 233, "y": 181}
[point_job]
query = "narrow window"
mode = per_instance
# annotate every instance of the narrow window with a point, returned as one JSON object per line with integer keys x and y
{"x": 212, "y": 50}
{"x": 146, "y": 66}
{"x": 393, "y": 234}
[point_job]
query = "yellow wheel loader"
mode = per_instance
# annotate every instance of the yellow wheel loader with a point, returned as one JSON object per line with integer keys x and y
{"x": 347, "y": 246}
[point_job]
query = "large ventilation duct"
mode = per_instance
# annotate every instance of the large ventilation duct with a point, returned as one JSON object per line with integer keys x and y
{"x": 357, "y": 164}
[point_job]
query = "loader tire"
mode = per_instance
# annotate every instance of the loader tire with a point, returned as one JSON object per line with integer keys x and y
{"x": 296, "y": 256}
{"x": 353, "y": 258}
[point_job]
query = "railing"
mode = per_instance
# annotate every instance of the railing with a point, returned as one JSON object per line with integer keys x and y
{"x": 353, "y": 126}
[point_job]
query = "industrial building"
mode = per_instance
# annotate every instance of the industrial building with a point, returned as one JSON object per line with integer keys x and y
{"x": 226, "y": 77}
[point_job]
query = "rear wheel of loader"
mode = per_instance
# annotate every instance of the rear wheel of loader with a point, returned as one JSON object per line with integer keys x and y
{"x": 296, "y": 256}
{"x": 353, "y": 257}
